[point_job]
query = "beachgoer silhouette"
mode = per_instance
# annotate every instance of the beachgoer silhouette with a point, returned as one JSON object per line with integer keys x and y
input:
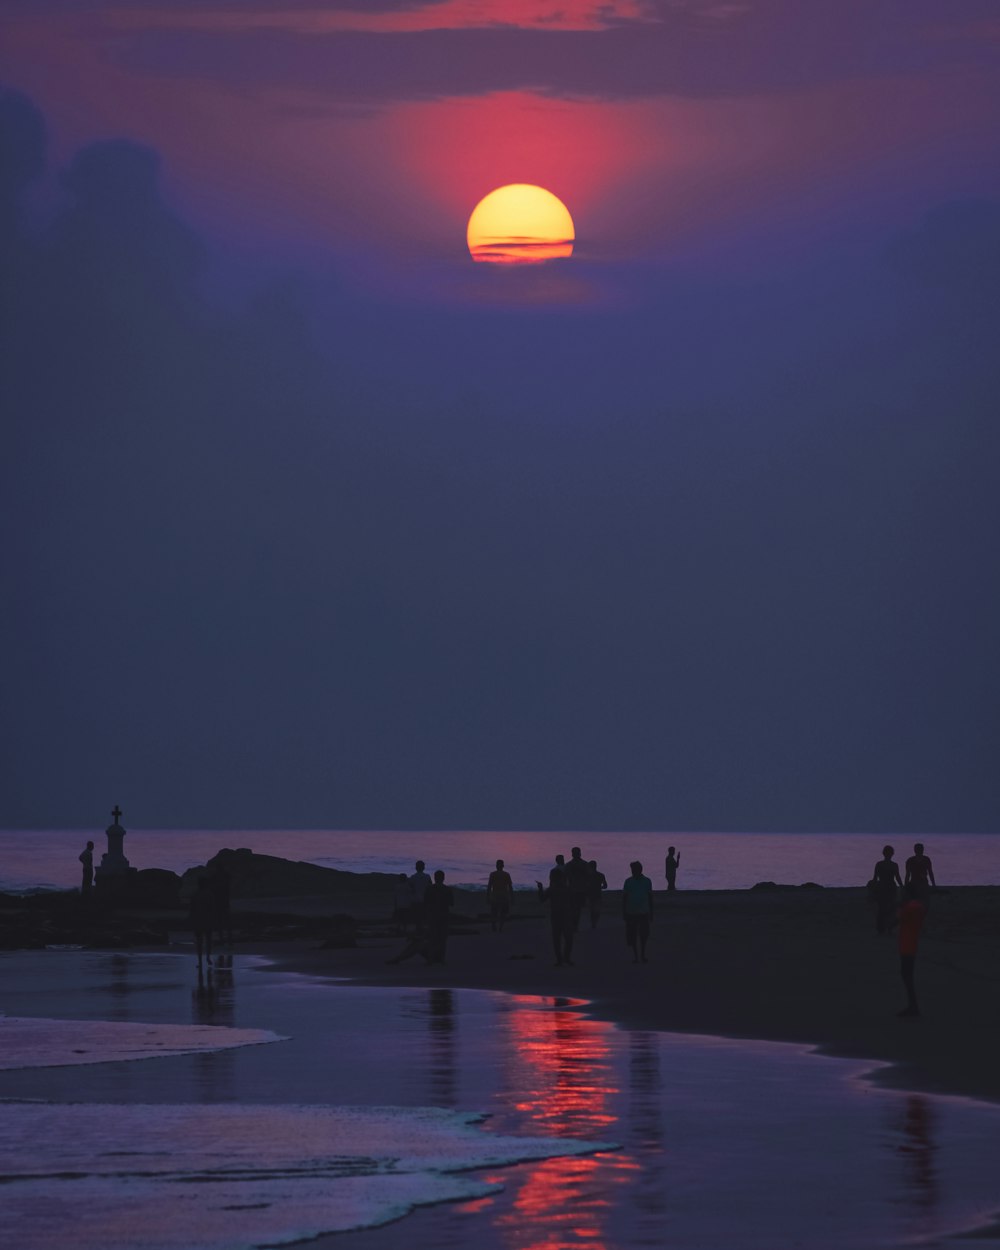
{"x": 560, "y": 912}
{"x": 911, "y": 919}
{"x": 87, "y": 859}
{"x": 578, "y": 883}
{"x": 430, "y": 939}
{"x": 499, "y": 895}
{"x": 920, "y": 873}
{"x": 670, "y": 867}
{"x": 419, "y": 884}
{"x": 402, "y": 903}
{"x": 438, "y": 902}
{"x": 203, "y": 917}
{"x": 637, "y": 909}
{"x": 886, "y": 882}
{"x": 596, "y": 883}
{"x": 221, "y": 905}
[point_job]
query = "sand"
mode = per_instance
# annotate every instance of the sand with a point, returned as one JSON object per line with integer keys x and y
{"x": 802, "y": 965}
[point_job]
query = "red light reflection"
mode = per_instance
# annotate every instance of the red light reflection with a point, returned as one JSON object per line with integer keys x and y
{"x": 564, "y": 1082}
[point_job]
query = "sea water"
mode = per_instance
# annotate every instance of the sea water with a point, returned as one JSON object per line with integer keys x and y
{"x": 709, "y": 861}
{"x": 367, "y": 1103}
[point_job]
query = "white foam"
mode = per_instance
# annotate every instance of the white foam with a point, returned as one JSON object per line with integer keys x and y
{"x": 227, "y": 1177}
{"x": 36, "y": 1042}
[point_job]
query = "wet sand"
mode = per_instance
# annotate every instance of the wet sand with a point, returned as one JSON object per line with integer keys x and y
{"x": 802, "y": 965}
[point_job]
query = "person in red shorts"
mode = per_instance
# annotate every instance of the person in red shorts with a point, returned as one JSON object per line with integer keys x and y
{"x": 911, "y": 920}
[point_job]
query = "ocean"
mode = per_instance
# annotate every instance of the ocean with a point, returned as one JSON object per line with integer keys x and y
{"x": 32, "y": 859}
{"x": 325, "y": 1107}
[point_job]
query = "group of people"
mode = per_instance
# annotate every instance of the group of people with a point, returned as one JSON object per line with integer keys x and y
{"x": 574, "y": 884}
{"x": 903, "y": 901}
{"x": 211, "y": 912}
{"x": 427, "y": 905}
{"x": 421, "y": 906}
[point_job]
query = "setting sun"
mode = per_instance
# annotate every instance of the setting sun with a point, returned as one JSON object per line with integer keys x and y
{"x": 520, "y": 224}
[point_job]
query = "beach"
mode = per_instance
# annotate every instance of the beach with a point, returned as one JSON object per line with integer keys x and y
{"x": 798, "y": 965}
{"x": 758, "y": 1053}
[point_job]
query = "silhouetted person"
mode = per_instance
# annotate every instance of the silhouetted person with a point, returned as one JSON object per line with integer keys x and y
{"x": 221, "y": 904}
{"x": 499, "y": 895}
{"x": 430, "y": 938}
{"x": 670, "y": 867}
{"x": 887, "y": 882}
{"x": 578, "y": 883}
{"x": 87, "y": 859}
{"x": 419, "y": 884}
{"x": 911, "y": 920}
{"x": 919, "y": 873}
{"x": 438, "y": 902}
{"x": 596, "y": 883}
{"x": 402, "y": 902}
{"x": 203, "y": 917}
{"x": 637, "y": 908}
{"x": 560, "y": 912}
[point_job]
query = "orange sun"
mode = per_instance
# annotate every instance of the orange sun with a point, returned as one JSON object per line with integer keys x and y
{"x": 520, "y": 224}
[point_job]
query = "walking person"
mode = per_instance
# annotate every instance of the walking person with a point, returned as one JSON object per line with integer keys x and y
{"x": 438, "y": 902}
{"x": 670, "y": 867}
{"x": 87, "y": 860}
{"x": 911, "y": 921}
{"x": 419, "y": 884}
{"x": 499, "y": 895}
{"x": 560, "y": 912}
{"x": 920, "y": 873}
{"x": 578, "y": 883}
{"x": 203, "y": 917}
{"x": 637, "y": 909}
{"x": 886, "y": 884}
{"x": 597, "y": 882}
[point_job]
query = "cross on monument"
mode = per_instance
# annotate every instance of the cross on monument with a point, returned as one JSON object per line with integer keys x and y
{"x": 116, "y": 812}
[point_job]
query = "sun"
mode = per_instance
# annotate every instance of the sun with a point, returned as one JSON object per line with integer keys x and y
{"x": 520, "y": 224}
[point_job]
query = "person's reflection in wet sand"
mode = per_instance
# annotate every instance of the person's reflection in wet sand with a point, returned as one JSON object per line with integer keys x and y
{"x": 213, "y": 1003}
{"x": 121, "y": 988}
{"x": 441, "y": 1018}
{"x": 645, "y": 1086}
{"x": 914, "y": 1143}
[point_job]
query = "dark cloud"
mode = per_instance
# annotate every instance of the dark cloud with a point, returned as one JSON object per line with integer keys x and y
{"x": 721, "y": 561}
{"x": 771, "y": 46}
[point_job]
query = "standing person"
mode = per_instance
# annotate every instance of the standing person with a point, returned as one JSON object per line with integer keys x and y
{"x": 911, "y": 920}
{"x": 670, "y": 867}
{"x": 499, "y": 895}
{"x": 402, "y": 903}
{"x": 919, "y": 873}
{"x": 221, "y": 903}
{"x": 438, "y": 902}
{"x": 578, "y": 883}
{"x": 419, "y": 884}
{"x": 203, "y": 917}
{"x": 637, "y": 908}
{"x": 596, "y": 883}
{"x": 560, "y": 913}
{"x": 87, "y": 859}
{"x": 886, "y": 879}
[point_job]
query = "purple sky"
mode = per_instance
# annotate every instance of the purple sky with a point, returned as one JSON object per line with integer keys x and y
{"x": 314, "y": 521}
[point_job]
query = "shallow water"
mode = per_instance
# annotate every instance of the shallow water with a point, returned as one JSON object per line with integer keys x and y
{"x": 722, "y": 1142}
{"x": 709, "y": 861}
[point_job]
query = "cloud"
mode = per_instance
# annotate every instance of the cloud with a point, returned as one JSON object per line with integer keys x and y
{"x": 713, "y": 561}
{"x": 629, "y": 49}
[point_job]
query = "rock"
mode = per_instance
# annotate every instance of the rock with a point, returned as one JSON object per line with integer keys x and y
{"x": 155, "y": 887}
{"x": 269, "y": 876}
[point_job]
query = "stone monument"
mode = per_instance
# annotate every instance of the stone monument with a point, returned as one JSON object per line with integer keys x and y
{"x": 115, "y": 869}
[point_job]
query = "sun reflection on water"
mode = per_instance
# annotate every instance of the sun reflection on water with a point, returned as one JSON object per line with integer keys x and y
{"x": 562, "y": 1079}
